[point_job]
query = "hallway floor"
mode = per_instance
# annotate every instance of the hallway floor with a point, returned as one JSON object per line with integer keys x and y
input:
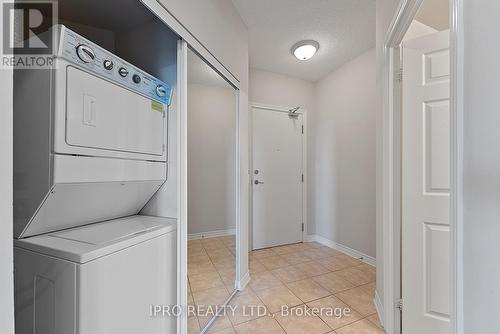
{"x": 302, "y": 276}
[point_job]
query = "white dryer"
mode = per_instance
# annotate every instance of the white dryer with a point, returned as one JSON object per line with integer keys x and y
{"x": 89, "y": 138}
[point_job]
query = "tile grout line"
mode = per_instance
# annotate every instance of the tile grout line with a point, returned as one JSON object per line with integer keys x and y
{"x": 285, "y": 284}
{"x": 218, "y": 273}
{"x": 304, "y": 303}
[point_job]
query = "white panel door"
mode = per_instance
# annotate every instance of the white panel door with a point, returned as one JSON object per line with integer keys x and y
{"x": 276, "y": 178}
{"x": 426, "y": 183}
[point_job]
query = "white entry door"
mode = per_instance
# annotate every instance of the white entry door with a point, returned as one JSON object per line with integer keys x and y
{"x": 276, "y": 178}
{"x": 426, "y": 185}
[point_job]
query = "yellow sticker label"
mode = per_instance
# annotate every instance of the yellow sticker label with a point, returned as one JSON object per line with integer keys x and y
{"x": 157, "y": 106}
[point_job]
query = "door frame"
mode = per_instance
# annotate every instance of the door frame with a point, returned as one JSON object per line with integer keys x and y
{"x": 391, "y": 165}
{"x": 272, "y": 108}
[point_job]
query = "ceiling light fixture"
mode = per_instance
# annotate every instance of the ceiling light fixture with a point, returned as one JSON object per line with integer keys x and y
{"x": 304, "y": 50}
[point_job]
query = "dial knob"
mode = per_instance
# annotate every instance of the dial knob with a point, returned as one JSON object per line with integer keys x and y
{"x": 85, "y": 53}
{"x": 136, "y": 78}
{"x": 108, "y": 64}
{"x": 123, "y": 71}
{"x": 161, "y": 91}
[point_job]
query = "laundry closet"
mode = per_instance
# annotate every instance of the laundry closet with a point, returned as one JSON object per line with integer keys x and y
{"x": 95, "y": 177}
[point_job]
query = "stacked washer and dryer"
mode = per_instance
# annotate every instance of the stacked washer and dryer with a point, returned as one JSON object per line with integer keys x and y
{"x": 89, "y": 152}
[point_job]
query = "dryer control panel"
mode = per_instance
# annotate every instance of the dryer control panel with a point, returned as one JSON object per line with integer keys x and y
{"x": 96, "y": 59}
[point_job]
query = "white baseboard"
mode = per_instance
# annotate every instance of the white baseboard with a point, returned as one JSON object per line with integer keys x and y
{"x": 341, "y": 248}
{"x": 242, "y": 283}
{"x": 379, "y": 307}
{"x": 211, "y": 234}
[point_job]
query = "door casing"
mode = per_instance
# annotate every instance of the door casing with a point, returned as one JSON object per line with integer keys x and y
{"x": 271, "y": 108}
{"x": 391, "y": 163}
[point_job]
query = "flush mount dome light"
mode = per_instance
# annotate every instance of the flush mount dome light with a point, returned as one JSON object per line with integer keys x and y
{"x": 304, "y": 50}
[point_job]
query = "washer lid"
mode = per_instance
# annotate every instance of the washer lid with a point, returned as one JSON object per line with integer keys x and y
{"x": 109, "y": 232}
{"x": 86, "y": 243}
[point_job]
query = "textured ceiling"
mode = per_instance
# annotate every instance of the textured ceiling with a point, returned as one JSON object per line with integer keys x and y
{"x": 343, "y": 28}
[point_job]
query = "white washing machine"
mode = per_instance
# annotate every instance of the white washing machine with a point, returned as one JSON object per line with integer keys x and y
{"x": 97, "y": 279}
{"x": 89, "y": 152}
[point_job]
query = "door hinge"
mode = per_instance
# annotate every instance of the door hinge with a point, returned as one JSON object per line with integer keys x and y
{"x": 302, "y": 227}
{"x": 302, "y": 177}
{"x": 398, "y": 75}
{"x": 399, "y": 305}
{"x": 302, "y": 129}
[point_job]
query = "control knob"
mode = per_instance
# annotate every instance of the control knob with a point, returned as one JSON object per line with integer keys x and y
{"x": 108, "y": 64}
{"x": 161, "y": 91}
{"x": 123, "y": 71}
{"x": 85, "y": 53}
{"x": 136, "y": 78}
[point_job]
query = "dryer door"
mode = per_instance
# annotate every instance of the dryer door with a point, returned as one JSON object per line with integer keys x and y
{"x": 102, "y": 115}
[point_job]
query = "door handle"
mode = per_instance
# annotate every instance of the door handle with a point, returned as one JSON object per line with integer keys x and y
{"x": 258, "y": 182}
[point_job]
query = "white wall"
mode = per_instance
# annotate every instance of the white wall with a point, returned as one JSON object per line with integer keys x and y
{"x": 481, "y": 167}
{"x": 418, "y": 29}
{"x": 342, "y": 162}
{"x": 280, "y": 90}
{"x": 6, "y": 218}
{"x": 211, "y": 158}
{"x": 341, "y": 146}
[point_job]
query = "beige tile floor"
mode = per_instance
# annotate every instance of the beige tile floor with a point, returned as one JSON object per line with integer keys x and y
{"x": 211, "y": 269}
{"x": 304, "y": 275}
